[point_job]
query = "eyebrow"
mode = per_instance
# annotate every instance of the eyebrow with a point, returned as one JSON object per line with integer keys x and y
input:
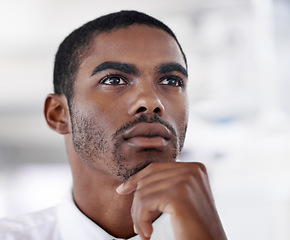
{"x": 171, "y": 67}
{"x": 122, "y": 67}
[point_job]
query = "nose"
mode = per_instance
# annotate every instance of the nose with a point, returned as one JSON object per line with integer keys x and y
{"x": 146, "y": 102}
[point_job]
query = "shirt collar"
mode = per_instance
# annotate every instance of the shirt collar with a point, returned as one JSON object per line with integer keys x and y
{"x": 73, "y": 224}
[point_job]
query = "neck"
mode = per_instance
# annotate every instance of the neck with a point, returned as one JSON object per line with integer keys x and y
{"x": 97, "y": 198}
{"x": 94, "y": 193}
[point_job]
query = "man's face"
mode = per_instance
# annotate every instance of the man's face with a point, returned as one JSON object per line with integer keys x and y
{"x": 130, "y": 106}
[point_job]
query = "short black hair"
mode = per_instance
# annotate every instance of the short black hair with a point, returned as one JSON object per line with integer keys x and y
{"x": 76, "y": 45}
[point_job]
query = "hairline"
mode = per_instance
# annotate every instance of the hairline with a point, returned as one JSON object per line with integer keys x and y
{"x": 86, "y": 50}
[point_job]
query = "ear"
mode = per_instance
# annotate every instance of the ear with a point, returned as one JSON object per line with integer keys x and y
{"x": 56, "y": 113}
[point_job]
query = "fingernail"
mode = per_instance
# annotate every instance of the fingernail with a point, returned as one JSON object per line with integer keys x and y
{"x": 148, "y": 232}
{"x": 119, "y": 189}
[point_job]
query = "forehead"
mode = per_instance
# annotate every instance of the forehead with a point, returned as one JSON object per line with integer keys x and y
{"x": 136, "y": 44}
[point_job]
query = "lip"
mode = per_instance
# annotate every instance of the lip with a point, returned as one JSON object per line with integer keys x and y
{"x": 147, "y": 135}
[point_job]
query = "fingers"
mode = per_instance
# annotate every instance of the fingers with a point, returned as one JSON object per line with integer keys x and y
{"x": 163, "y": 196}
{"x": 165, "y": 187}
{"x": 144, "y": 211}
{"x": 158, "y": 171}
{"x": 131, "y": 184}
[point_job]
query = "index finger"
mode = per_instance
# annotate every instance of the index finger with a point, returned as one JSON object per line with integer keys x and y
{"x": 132, "y": 183}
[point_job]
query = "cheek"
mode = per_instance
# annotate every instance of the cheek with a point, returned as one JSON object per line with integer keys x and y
{"x": 110, "y": 114}
{"x": 177, "y": 110}
{"x": 107, "y": 101}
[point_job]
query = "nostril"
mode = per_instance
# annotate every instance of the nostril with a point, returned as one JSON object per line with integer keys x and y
{"x": 157, "y": 110}
{"x": 141, "y": 109}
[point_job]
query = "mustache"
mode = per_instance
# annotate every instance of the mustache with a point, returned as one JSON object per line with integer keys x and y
{"x": 144, "y": 118}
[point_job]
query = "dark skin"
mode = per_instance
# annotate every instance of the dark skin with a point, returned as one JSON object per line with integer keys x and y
{"x": 131, "y": 72}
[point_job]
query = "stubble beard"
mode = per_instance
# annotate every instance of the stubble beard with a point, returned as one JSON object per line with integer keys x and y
{"x": 93, "y": 145}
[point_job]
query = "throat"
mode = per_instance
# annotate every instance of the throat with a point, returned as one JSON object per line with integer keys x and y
{"x": 106, "y": 208}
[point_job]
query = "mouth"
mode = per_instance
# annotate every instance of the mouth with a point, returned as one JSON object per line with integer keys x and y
{"x": 147, "y": 136}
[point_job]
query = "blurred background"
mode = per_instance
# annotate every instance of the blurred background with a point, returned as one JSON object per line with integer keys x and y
{"x": 238, "y": 53}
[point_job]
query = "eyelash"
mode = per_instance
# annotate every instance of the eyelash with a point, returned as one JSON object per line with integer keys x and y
{"x": 177, "y": 78}
{"x": 112, "y": 76}
{"x": 174, "y": 77}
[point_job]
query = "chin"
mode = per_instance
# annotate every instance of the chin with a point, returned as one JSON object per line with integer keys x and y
{"x": 126, "y": 170}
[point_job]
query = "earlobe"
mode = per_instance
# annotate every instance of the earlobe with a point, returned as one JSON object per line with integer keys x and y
{"x": 56, "y": 113}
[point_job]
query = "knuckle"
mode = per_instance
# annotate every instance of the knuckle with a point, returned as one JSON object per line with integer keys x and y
{"x": 198, "y": 167}
{"x": 190, "y": 179}
{"x": 186, "y": 179}
{"x": 201, "y": 166}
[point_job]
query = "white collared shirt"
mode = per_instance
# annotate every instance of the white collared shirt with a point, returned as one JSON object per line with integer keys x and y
{"x": 67, "y": 222}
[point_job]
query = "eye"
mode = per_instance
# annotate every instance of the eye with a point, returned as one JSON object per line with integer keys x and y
{"x": 173, "y": 81}
{"x": 113, "y": 79}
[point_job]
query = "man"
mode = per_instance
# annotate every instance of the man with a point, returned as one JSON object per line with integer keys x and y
{"x": 120, "y": 101}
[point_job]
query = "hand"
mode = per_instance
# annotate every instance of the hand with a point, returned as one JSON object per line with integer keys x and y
{"x": 180, "y": 189}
